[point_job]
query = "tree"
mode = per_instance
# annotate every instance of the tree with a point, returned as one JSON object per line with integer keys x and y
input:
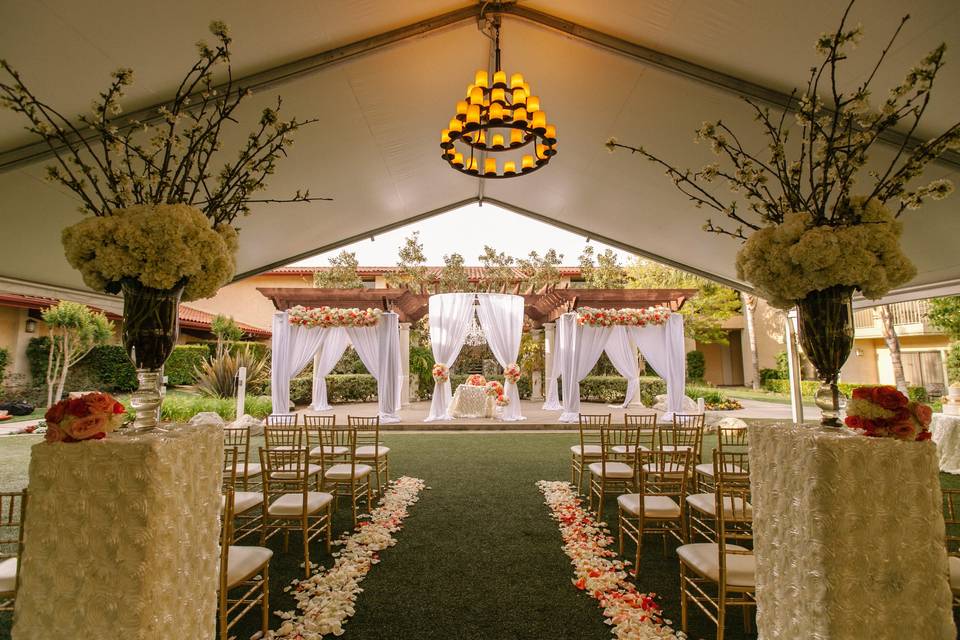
{"x": 540, "y": 272}
{"x": 749, "y": 305}
{"x": 342, "y": 273}
{"x": 75, "y": 329}
{"x": 944, "y": 314}
{"x": 226, "y": 330}
{"x": 453, "y": 275}
{"x": 703, "y": 314}
{"x": 893, "y": 343}
{"x": 411, "y": 271}
{"x": 606, "y": 273}
{"x": 498, "y": 273}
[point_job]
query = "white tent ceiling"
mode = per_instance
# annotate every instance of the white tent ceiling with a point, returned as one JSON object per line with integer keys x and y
{"x": 375, "y": 149}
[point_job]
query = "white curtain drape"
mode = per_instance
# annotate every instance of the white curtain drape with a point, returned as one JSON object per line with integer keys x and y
{"x": 379, "y": 349}
{"x": 582, "y": 354}
{"x": 449, "y": 322}
{"x": 560, "y": 340}
{"x": 501, "y": 318}
{"x": 623, "y": 356}
{"x": 663, "y": 347}
{"x": 333, "y": 343}
{"x": 292, "y": 350}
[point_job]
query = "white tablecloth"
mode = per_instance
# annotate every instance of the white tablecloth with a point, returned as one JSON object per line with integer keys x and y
{"x": 471, "y": 402}
{"x": 122, "y": 538}
{"x": 848, "y": 536}
{"x": 945, "y": 431}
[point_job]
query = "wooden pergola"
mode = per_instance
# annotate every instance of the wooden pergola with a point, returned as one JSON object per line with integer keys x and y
{"x": 539, "y": 307}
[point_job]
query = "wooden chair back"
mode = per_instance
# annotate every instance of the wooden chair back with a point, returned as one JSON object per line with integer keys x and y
{"x": 951, "y": 517}
{"x": 282, "y": 420}
{"x": 283, "y": 437}
{"x": 734, "y": 513}
{"x": 618, "y": 443}
{"x": 367, "y": 432}
{"x": 646, "y": 424}
{"x": 732, "y": 439}
{"x": 590, "y": 431}
{"x": 230, "y": 457}
{"x": 664, "y": 472}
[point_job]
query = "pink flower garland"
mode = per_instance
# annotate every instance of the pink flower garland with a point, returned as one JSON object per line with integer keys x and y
{"x": 326, "y": 317}
{"x": 626, "y": 317}
{"x": 631, "y": 614}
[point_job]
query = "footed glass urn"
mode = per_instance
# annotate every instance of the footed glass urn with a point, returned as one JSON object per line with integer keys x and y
{"x": 151, "y": 326}
{"x": 825, "y": 320}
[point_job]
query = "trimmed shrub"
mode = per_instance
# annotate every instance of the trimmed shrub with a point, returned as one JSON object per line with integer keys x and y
{"x": 953, "y": 363}
{"x": 808, "y": 389}
{"x": 650, "y": 388}
{"x": 258, "y": 348}
{"x": 603, "y": 389}
{"x": 110, "y": 367}
{"x": 301, "y": 390}
{"x": 767, "y": 374}
{"x": 354, "y": 387}
{"x": 181, "y": 367}
{"x": 696, "y": 365}
{"x": 38, "y": 350}
{"x": 349, "y": 363}
{"x": 180, "y": 408}
{"x": 4, "y": 361}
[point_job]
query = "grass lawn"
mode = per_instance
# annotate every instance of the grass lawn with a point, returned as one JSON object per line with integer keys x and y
{"x": 745, "y": 393}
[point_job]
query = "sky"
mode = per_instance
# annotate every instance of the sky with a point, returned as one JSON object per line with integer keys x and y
{"x": 466, "y": 231}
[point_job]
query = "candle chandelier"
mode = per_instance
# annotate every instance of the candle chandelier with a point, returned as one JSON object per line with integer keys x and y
{"x": 496, "y": 117}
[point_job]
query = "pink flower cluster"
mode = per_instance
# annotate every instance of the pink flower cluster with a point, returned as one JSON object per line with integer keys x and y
{"x": 493, "y": 389}
{"x": 884, "y": 412}
{"x": 626, "y": 317}
{"x": 476, "y": 380}
{"x": 441, "y": 373}
{"x": 91, "y": 416}
{"x": 512, "y": 372}
{"x": 330, "y": 317}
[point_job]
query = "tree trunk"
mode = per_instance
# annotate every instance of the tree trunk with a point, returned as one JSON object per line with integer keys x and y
{"x": 65, "y": 354}
{"x": 893, "y": 343}
{"x": 749, "y": 305}
{"x": 52, "y": 366}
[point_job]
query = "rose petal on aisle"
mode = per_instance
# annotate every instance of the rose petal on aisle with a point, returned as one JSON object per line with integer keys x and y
{"x": 326, "y": 599}
{"x": 597, "y": 570}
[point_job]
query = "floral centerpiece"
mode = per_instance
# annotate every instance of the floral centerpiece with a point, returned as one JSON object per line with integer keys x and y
{"x": 813, "y": 229}
{"x": 512, "y": 372}
{"x": 162, "y": 201}
{"x": 627, "y": 317}
{"x": 884, "y": 412}
{"x": 441, "y": 373}
{"x": 503, "y": 400}
{"x": 333, "y": 317}
{"x": 493, "y": 389}
{"x": 89, "y": 417}
{"x": 476, "y": 380}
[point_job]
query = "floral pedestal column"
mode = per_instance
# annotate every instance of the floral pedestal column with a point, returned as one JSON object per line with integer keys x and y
{"x": 122, "y": 538}
{"x": 848, "y": 536}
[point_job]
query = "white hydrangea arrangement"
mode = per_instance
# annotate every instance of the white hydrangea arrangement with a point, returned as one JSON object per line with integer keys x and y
{"x": 804, "y": 225}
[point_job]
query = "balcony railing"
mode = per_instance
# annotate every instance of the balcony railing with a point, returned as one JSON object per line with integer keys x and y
{"x": 902, "y": 313}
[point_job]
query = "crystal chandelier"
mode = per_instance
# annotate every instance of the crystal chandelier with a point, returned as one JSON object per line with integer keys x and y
{"x": 495, "y": 118}
{"x": 475, "y": 336}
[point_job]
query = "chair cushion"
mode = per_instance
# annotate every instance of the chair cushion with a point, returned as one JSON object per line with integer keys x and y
{"x": 954, "y": 564}
{"x": 628, "y": 448}
{"x": 247, "y": 469}
{"x": 593, "y": 450}
{"x": 706, "y": 469}
{"x": 706, "y": 503}
{"x": 342, "y": 471}
{"x": 671, "y": 447}
{"x": 245, "y": 500}
{"x": 8, "y": 575}
{"x": 614, "y": 470}
{"x": 291, "y": 504}
{"x": 369, "y": 451}
{"x": 291, "y": 474}
{"x": 244, "y": 562}
{"x": 704, "y": 558}
{"x": 328, "y": 451}
{"x": 653, "y": 506}
{"x": 668, "y": 468}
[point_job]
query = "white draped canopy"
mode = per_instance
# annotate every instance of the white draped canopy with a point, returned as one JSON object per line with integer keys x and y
{"x": 501, "y": 318}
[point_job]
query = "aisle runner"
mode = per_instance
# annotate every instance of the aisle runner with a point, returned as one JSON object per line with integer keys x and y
{"x": 326, "y": 599}
{"x": 631, "y": 614}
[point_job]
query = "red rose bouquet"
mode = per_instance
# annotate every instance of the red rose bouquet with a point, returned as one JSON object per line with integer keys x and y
{"x": 884, "y": 412}
{"x": 91, "y": 416}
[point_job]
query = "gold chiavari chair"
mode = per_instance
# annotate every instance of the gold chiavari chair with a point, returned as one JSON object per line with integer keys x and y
{"x": 283, "y": 432}
{"x": 248, "y": 473}
{"x": 289, "y": 504}
{"x": 247, "y": 510}
{"x": 241, "y": 568}
{"x": 951, "y": 517}
{"x": 370, "y": 449}
{"x": 351, "y": 478}
{"x": 13, "y": 510}
{"x": 702, "y": 507}
{"x": 282, "y": 420}
{"x": 589, "y": 450}
{"x": 686, "y": 432}
{"x": 731, "y": 439}
{"x": 616, "y": 470}
{"x": 658, "y": 506}
{"x": 331, "y": 454}
{"x": 646, "y": 424}
{"x": 722, "y": 574}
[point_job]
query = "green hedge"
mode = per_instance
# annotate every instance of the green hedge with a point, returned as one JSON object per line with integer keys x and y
{"x": 105, "y": 368}
{"x": 524, "y": 387}
{"x": 180, "y": 408}
{"x": 613, "y": 389}
{"x": 258, "y": 348}
{"x": 696, "y": 365}
{"x": 181, "y": 367}
{"x": 353, "y": 387}
{"x": 808, "y": 389}
{"x": 4, "y": 361}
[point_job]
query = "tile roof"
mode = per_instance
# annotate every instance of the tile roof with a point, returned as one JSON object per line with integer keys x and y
{"x": 473, "y": 273}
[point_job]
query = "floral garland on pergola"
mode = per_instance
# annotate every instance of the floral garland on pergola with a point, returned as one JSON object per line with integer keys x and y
{"x": 325, "y": 317}
{"x": 589, "y": 316}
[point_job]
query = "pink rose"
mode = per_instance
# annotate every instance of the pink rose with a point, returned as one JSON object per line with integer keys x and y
{"x": 54, "y": 434}
{"x": 88, "y": 426}
{"x": 923, "y": 413}
{"x": 904, "y": 431}
{"x": 99, "y": 402}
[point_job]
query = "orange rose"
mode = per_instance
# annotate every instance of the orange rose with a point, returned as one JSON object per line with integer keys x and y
{"x": 88, "y": 426}
{"x": 922, "y": 412}
{"x": 903, "y": 431}
{"x": 99, "y": 402}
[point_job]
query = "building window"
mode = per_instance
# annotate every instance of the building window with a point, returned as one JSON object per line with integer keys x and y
{"x": 369, "y": 283}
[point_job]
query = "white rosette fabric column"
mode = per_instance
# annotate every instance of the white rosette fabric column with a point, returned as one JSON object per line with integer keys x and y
{"x": 582, "y": 354}
{"x": 501, "y": 318}
{"x": 333, "y": 343}
{"x": 552, "y": 400}
{"x": 449, "y": 324}
{"x": 379, "y": 349}
{"x": 293, "y": 348}
{"x": 662, "y": 346}
{"x": 623, "y": 356}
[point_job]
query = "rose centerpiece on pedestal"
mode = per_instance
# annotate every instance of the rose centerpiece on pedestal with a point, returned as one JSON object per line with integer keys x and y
{"x": 162, "y": 202}
{"x": 814, "y": 230}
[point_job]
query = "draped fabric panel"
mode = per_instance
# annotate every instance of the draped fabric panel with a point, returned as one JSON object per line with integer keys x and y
{"x": 293, "y": 349}
{"x": 663, "y": 347}
{"x": 501, "y": 318}
{"x": 560, "y": 340}
{"x": 378, "y": 348}
{"x": 334, "y": 342}
{"x": 623, "y": 355}
{"x": 582, "y": 354}
{"x": 450, "y": 315}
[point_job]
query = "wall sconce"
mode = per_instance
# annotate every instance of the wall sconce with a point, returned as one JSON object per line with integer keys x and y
{"x": 31, "y": 325}
{"x": 859, "y": 352}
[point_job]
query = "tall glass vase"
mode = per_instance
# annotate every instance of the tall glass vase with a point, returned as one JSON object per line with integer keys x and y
{"x": 825, "y": 320}
{"x": 151, "y": 326}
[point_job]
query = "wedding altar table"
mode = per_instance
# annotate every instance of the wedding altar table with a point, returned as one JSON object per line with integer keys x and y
{"x": 122, "y": 537}
{"x": 848, "y": 536}
{"x": 470, "y": 401}
{"x": 945, "y": 431}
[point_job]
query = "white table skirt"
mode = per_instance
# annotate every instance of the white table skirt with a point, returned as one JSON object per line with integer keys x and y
{"x": 471, "y": 402}
{"x": 945, "y": 431}
{"x": 122, "y": 538}
{"x": 848, "y": 536}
